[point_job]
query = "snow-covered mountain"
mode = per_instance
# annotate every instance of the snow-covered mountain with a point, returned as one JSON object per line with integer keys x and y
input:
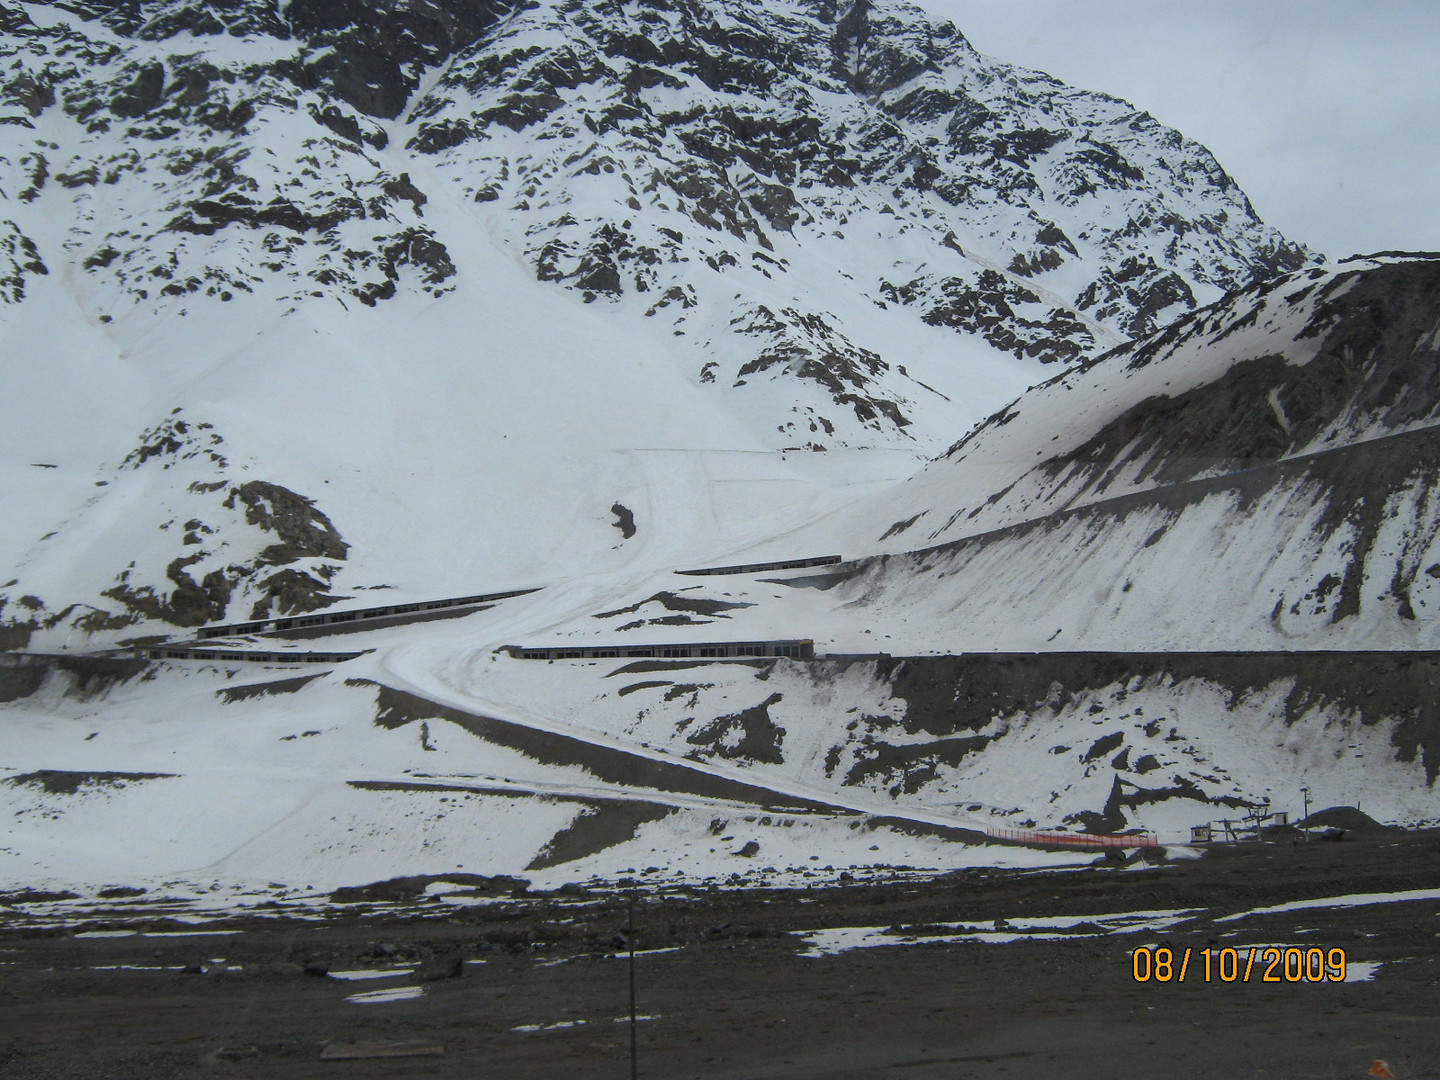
{"x": 1200, "y": 570}
{"x": 321, "y": 306}
{"x": 1258, "y": 475}
{"x": 1117, "y": 623}
{"x": 358, "y": 241}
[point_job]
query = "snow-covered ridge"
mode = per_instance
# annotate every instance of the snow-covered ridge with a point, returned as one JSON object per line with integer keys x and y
{"x": 1259, "y": 476}
{"x": 1315, "y": 361}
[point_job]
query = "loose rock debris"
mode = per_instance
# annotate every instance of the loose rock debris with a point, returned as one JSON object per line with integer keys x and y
{"x": 729, "y": 971}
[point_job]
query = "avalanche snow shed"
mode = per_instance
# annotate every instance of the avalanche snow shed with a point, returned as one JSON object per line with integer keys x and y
{"x": 708, "y": 650}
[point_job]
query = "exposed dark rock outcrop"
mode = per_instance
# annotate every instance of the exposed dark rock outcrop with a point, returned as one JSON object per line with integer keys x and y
{"x": 953, "y": 699}
{"x": 303, "y": 530}
{"x": 749, "y": 735}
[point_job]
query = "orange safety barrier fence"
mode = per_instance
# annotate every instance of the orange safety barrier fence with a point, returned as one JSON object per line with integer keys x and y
{"x": 1082, "y": 840}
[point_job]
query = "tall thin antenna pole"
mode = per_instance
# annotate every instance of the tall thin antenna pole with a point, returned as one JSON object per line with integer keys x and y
{"x": 630, "y": 936}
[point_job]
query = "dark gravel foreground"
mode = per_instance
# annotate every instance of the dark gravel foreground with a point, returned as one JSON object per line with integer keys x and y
{"x": 734, "y": 998}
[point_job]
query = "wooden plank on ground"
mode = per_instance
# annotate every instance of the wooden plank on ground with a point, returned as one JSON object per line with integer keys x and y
{"x": 364, "y": 1051}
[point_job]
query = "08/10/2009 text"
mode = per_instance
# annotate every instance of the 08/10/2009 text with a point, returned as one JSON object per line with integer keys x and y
{"x": 1276, "y": 965}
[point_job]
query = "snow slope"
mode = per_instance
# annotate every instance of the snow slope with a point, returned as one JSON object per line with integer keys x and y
{"x": 1209, "y": 617}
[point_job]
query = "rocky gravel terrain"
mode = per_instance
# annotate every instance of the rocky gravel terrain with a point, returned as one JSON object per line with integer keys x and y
{"x": 738, "y": 983}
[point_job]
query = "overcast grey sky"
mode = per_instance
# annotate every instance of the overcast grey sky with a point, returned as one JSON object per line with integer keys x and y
{"x": 1326, "y": 112}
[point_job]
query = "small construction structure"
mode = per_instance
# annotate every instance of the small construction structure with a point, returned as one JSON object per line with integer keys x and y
{"x": 703, "y": 650}
{"x": 1251, "y": 827}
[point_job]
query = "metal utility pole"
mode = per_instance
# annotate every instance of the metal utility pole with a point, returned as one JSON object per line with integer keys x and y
{"x": 630, "y": 940}
{"x": 1305, "y": 794}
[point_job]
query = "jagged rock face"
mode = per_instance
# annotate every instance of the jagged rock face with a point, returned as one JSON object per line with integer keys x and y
{"x": 177, "y": 172}
{"x": 1295, "y": 366}
{"x": 1046, "y": 220}
{"x": 743, "y": 173}
{"x": 367, "y": 55}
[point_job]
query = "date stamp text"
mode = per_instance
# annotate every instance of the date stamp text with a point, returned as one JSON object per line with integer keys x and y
{"x": 1246, "y": 963}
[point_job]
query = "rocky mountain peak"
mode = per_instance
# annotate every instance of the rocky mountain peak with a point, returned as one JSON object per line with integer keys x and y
{"x": 716, "y": 150}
